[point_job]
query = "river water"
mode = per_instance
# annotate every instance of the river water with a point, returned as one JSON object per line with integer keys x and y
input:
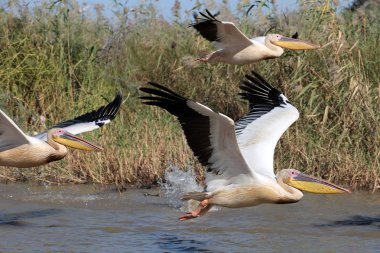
{"x": 88, "y": 218}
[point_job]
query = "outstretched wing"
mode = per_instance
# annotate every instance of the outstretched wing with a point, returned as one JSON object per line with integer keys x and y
{"x": 11, "y": 135}
{"x": 210, "y": 135}
{"x": 89, "y": 121}
{"x": 224, "y": 34}
{"x": 270, "y": 114}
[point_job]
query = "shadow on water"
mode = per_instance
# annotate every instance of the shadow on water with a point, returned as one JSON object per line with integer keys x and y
{"x": 17, "y": 219}
{"x": 356, "y": 220}
{"x": 172, "y": 243}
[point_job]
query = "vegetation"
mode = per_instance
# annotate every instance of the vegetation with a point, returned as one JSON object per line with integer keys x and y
{"x": 57, "y": 62}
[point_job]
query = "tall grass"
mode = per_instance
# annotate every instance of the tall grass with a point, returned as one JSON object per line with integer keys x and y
{"x": 57, "y": 63}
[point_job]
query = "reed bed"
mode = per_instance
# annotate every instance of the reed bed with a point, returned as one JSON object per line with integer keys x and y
{"x": 57, "y": 63}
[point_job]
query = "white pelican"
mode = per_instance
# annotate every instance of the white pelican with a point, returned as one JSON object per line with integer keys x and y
{"x": 239, "y": 158}
{"x": 234, "y": 47}
{"x": 20, "y": 150}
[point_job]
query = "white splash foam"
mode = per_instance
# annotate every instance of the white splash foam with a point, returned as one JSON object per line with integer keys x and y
{"x": 177, "y": 183}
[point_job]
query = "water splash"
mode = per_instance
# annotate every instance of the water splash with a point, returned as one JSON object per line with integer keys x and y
{"x": 177, "y": 183}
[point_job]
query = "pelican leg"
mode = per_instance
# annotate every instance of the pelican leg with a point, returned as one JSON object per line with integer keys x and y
{"x": 202, "y": 59}
{"x": 205, "y": 58}
{"x": 202, "y": 208}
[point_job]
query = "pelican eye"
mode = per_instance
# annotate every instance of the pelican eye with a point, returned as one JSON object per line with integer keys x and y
{"x": 58, "y": 133}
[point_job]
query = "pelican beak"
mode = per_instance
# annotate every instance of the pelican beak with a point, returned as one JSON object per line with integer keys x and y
{"x": 76, "y": 142}
{"x": 315, "y": 185}
{"x": 294, "y": 44}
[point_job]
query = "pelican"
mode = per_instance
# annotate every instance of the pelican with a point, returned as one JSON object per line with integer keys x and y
{"x": 239, "y": 157}
{"x": 22, "y": 151}
{"x": 234, "y": 47}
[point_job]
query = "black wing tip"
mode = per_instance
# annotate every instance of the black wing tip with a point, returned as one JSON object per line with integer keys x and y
{"x": 210, "y": 16}
{"x": 206, "y": 17}
{"x": 195, "y": 126}
{"x": 255, "y": 79}
{"x": 157, "y": 88}
{"x": 98, "y": 116}
{"x": 256, "y": 90}
{"x": 119, "y": 95}
{"x": 150, "y": 83}
{"x": 156, "y": 85}
{"x": 161, "y": 91}
{"x": 254, "y": 73}
{"x": 118, "y": 100}
{"x": 111, "y": 109}
{"x": 108, "y": 111}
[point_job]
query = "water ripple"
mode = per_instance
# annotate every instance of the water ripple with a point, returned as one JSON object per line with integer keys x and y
{"x": 16, "y": 219}
{"x": 175, "y": 244}
{"x": 356, "y": 220}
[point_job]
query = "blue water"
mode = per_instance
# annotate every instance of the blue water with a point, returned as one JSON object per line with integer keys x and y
{"x": 98, "y": 219}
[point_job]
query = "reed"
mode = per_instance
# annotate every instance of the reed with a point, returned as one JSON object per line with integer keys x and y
{"x": 57, "y": 63}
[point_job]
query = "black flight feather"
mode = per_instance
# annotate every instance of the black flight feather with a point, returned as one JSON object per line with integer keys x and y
{"x": 262, "y": 98}
{"x": 195, "y": 125}
{"x": 98, "y": 116}
{"x": 207, "y": 27}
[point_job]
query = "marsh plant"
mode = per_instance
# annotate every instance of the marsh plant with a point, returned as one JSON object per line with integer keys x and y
{"x": 59, "y": 59}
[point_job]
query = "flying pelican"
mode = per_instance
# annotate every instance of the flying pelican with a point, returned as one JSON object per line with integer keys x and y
{"x": 234, "y": 47}
{"x": 239, "y": 157}
{"x": 20, "y": 150}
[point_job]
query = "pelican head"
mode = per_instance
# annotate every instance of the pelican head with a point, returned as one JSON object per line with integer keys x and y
{"x": 65, "y": 138}
{"x": 290, "y": 43}
{"x": 307, "y": 183}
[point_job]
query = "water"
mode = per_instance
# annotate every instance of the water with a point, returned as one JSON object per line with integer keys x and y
{"x": 178, "y": 183}
{"x": 87, "y": 218}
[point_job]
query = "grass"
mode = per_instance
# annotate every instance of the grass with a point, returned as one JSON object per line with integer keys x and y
{"x": 58, "y": 63}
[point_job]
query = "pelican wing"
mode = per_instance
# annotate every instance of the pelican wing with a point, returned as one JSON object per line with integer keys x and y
{"x": 210, "y": 135}
{"x": 11, "y": 135}
{"x": 224, "y": 33}
{"x": 89, "y": 121}
{"x": 259, "y": 131}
